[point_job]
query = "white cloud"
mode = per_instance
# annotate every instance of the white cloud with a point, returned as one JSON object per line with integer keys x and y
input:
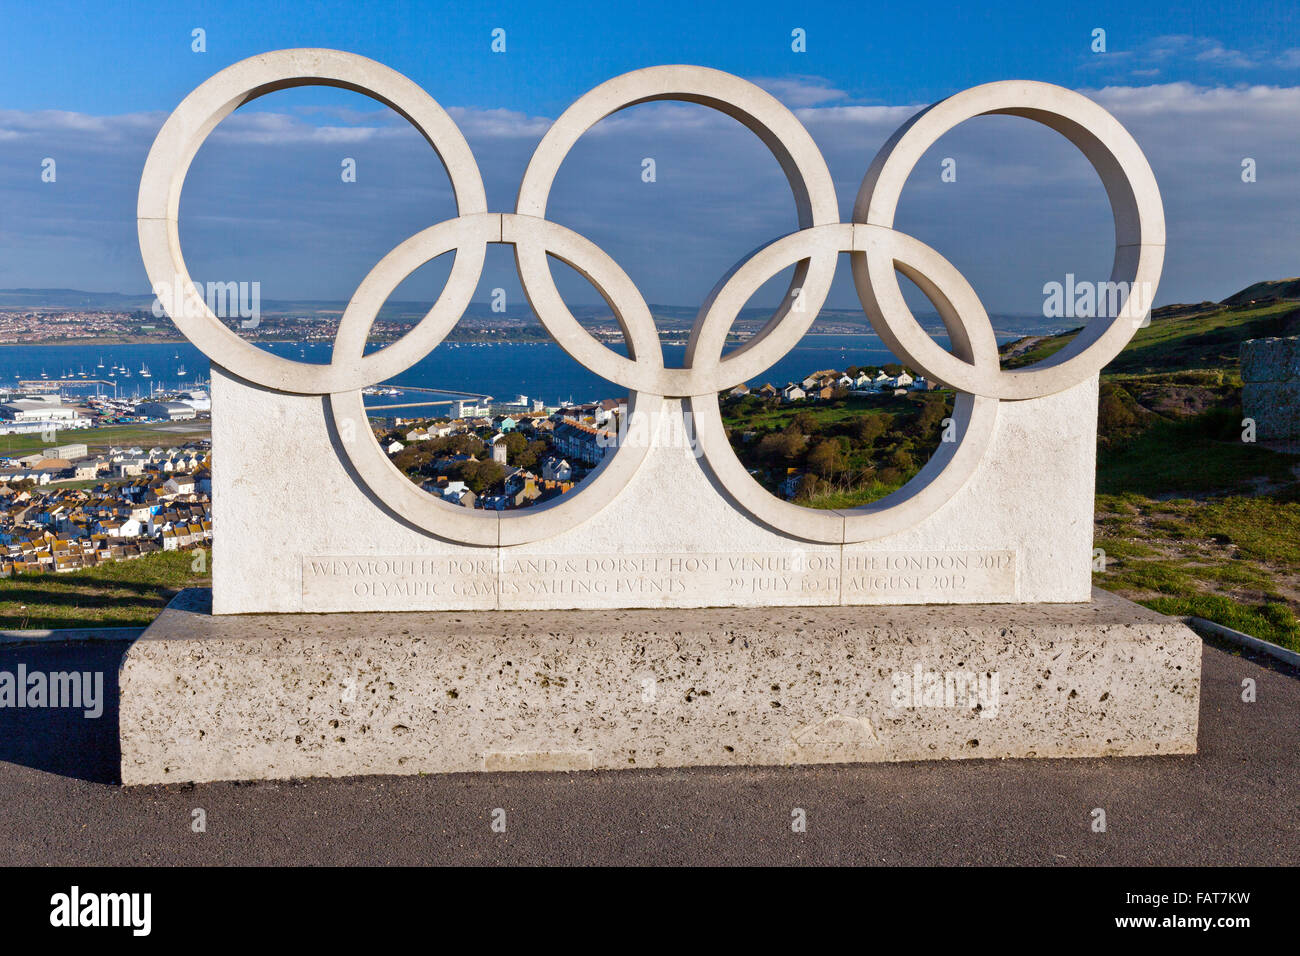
{"x": 265, "y": 199}
{"x": 798, "y": 91}
{"x": 1161, "y": 54}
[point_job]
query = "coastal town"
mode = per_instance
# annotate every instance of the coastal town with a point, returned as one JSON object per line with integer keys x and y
{"x": 70, "y": 504}
{"x": 143, "y": 326}
{"x": 527, "y": 455}
{"x": 317, "y": 322}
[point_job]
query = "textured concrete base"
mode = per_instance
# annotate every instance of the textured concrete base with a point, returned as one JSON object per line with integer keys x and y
{"x": 302, "y": 695}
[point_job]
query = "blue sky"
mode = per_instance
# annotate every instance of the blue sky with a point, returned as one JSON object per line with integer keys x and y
{"x": 1200, "y": 89}
{"x": 123, "y": 57}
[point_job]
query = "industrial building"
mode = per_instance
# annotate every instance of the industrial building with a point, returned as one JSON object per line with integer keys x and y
{"x": 169, "y": 411}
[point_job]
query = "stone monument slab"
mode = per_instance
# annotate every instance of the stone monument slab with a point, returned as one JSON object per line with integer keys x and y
{"x": 670, "y": 610}
{"x": 312, "y": 515}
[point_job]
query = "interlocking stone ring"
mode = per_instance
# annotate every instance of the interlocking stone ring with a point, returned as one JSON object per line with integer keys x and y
{"x": 877, "y": 253}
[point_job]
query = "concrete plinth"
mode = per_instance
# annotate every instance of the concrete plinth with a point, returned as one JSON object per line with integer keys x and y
{"x": 208, "y": 697}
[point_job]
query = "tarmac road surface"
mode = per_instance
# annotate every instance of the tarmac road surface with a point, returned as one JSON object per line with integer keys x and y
{"x": 1236, "y": 802}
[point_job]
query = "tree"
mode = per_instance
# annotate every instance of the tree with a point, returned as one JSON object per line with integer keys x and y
{"x": 516, "y": 447}
{"x": 782, "y": 447}
{"x": 934, "y": 409}
{"x": 806, "y": 422}
{"x": 826, "y": 459}
{"x": 870, "y": 427}
{"x": 901, "y": 459}
{"x": 480, "y": 476}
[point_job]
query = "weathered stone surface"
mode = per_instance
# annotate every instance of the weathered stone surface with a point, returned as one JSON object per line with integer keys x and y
{"x": 1275, "y": 408}
{"x": 1270, "y": 394}
{"x": 208, "y": 697}
{"x": 1271, "y": 360}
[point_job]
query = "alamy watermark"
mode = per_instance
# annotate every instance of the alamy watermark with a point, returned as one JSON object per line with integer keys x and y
{"x": 79, "y": 690}
{"x": 920, "y": 687}
{"x": 75, "y": 908}
{"x": 1074, "y": 299}
{"x": 225, "y": 300}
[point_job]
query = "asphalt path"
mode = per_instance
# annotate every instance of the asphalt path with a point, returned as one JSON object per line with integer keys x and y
{"x": 1235, "y": 802}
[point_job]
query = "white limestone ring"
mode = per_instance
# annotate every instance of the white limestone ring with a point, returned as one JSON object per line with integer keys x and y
{"x": 1139, "y": 236}
{"x": 759, "y": 111}
{"x": 948, "y": 469}
{"x": 429, "y": 512}
{"x": 164, "y": 177}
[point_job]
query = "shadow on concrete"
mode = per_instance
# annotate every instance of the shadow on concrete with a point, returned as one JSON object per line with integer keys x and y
{"x": 63, "y": 740}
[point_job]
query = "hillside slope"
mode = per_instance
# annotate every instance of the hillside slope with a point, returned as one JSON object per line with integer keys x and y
{"x": 1206, "y": 335}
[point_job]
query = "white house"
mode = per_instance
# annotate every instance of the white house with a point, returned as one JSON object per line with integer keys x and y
{"x": 120, "y": 528}
{"x": 458, "y": 493}
{"x": 793, "y": 393}
{"x": 180, "y": 485}
{"x": 554, "y": 469}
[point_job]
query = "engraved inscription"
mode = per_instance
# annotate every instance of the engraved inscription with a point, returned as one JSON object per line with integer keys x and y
{"x": 521, "y": 580}
{"x": 928, "y": 577}
{"x": 673, "y": 579}
{"x": 331, "y": 583}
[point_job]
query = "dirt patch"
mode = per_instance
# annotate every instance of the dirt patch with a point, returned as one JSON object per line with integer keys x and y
{"x": 1180, "y": 401}
{"x": 1021, "y": 346}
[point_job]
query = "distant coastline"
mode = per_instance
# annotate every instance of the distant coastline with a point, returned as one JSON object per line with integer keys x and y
{"x": 510, "y": 340}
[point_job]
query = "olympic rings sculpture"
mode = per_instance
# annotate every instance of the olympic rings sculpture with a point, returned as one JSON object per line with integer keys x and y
{"x": 877, "y": 253}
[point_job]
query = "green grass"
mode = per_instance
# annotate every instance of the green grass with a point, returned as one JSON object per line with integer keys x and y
{"x": 84, "y": 484}
{"x": 1231, "y": 560}
{"x": 1116, "y": 547}
{"x": 1195, "y": 456}
{"x": 1197, "y": 340}
{"x": 163, "y": 434}
{"x": 774, "y": 417}
{"x": 1209, "y": 340}
{"x": 1260, "y": 529}
{"x": 1272, "y": 621}
{"x": 115, "y": 594}
{"x": 864, "y": 494}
